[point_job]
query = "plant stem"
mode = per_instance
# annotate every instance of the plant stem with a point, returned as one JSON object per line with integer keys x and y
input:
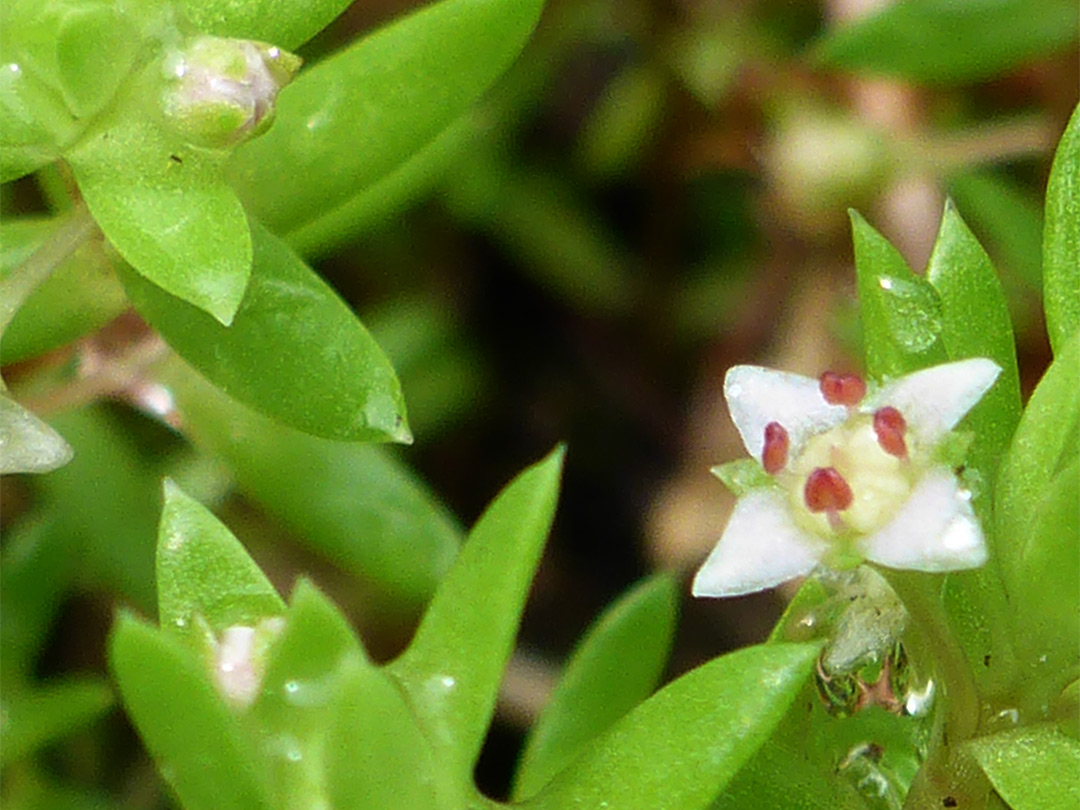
{"x": 948, "y": 770}
{"x": 32, "y": 273}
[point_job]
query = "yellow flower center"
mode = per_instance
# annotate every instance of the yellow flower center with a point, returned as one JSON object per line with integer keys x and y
{"x": 879, "y": 482}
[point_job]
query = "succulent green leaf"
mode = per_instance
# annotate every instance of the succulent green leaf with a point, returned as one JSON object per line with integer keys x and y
{"x": 683, "y": 745}
{"x": 285, "y": 23}
{"x": 901, "y": 312}
{"x": 934, "y": 41}
{"x": 616, "y": 665}
{"x": 167, "y": 211}
{"x": 376, "y": 755}
{"x": 453, "y": 667}
{"x": 1046, "y": 441}
{"x": 80, "y": 296}
{"x": 33, "y": 123}
{"x": 373, "y": 517}
{"x": 300, "y": 693}
{"x": 96, "y": 46}
{"x": 828, "y": 763}
{"x": 38, "y": 716}
{"x": 294, "y": 351}
{"x": 381, "y": 201}
{"x": 1047, "y": 589}
{"x": 1061, "y": 240}
{"x": 827, "y": 760}
{"x": 975, "y": 323}
{"x": 1033, "y": 768}
{"x": 193, "y": 735}
{"x": 28, "y": 445}
{"x": 204, "y": 571}
{"x": 355, "y": 117}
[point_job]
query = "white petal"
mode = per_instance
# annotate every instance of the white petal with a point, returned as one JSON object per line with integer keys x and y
{"x": 757, "y": 396}
{"x": 761, "y": 547}
{"x": 935, "y": 529}
{"x": 933, "y": 400}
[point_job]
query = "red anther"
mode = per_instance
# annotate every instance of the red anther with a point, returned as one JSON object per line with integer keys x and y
{"x": 774, "y": 455}
{"x": 889, "y": 425}
{"x": 842, "y": 389}
{"x": 827, "y": 491}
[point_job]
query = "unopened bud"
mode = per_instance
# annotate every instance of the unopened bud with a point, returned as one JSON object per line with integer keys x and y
{"x": 221, "y": 92}
{"x": 240, "y": 659}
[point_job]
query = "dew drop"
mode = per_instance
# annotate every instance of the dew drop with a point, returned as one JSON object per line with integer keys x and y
{"x": 181, "y": 622}
{"x": 886, "y": 283}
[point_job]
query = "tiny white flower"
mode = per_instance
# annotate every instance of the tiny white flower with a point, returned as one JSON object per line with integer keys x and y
{"x": 854, "y": 476}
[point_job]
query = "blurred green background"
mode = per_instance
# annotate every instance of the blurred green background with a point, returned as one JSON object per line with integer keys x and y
{"x": 654, "y": 192}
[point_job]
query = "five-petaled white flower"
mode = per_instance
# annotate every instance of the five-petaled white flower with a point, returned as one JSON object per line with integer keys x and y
{"x": 855, "y": 475}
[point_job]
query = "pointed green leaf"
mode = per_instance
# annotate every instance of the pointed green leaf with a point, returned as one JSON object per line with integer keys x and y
{"x": 80, "y": 296}
{"x": 1033, "y": 768}
{"x": 28, "y": 445}
{"x": 616, "y": 665}
{"x": 300, "y": 694}
{"x": 96, "y": 46}
{"x": 934, "y": 41}
{"x": 204, "y": 571}
{"x": 356, "y": 116}
{"x": 975, "y": 323}
{"x": 684, "y": 744}
{"x": 33, "y": 121}
{"x": 168, "y": 212}
{"x": 285, "y": 23}
{"x": 901, "y": 313}
{"x": 824, "y": 758}
{"x": 373, "y": 517}
{"x": 376, "y": 755}
{"x": 1061, "y": 240}
{"x": 1045, "y": 442}
{"x": 1047, "y": 589}
{"x": 455, "y": 663}
{"x": 295, "y": 350}
{"x": 192, "y": 734}
{"x": 38, "y": 716}
{"x": 828, "y": 763}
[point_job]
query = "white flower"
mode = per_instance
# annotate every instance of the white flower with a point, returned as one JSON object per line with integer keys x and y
{"x": 855, "y": 476}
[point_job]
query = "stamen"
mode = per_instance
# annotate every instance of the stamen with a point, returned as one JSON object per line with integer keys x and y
{"x": 842, "y": 389}
{"x": 889, "y": 425}
{"x": 827, "y": 491}
{"x": 774, "y": 455}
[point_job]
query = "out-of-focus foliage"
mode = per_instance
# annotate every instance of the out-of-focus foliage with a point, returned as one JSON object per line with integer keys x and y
{"x": 523, "y": 225}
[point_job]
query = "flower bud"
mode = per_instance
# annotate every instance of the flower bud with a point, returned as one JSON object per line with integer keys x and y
{"x": 221, "y": 92}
